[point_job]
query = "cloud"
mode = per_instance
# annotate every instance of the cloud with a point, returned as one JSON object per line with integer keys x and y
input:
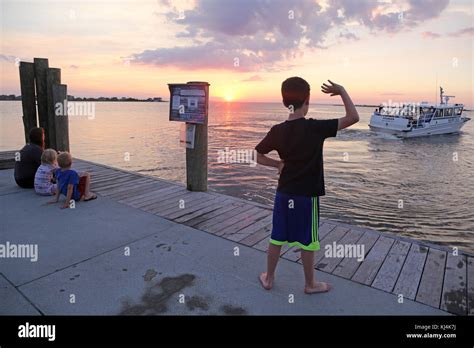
{"x": 267, "y": 34}
{"x": 462, "y": 32}
{"x": 349, "y": 36}
{"x": 430, "y": 35}
{"x": 7, "y": 58}
{"x": 72, "y": 66}
{"x": 253, "y": 78}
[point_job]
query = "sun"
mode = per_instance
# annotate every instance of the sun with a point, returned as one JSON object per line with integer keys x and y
{"x": 229, "y": 98}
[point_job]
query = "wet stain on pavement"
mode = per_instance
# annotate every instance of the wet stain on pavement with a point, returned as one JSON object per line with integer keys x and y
{"x": 197, "y": 302}
{"x": 232, "y": 310}
{"x": 149, "y": 275}
{"x": 155, "y": 299}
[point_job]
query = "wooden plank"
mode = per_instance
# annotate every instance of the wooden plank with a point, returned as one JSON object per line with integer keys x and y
{"x": 131, "y": 193}
{"x": 410, "y": 276}
{"x": 215, "y": 204}
{"x": 53, "y": 76}
{"x": 28, "y": 98}
{"x": 156, "y": 199}
{"x": 256, "y": 237}
{"x": 324, "y": 229}
{"x": 334, "y": 236}
{"x": 328, "y": 264}
{"x": 431, "y": 284}
{"x": 470, "y": 285}
{"x": 454, "y": 294}
{"x": 151, "y": 193}
{"x": 251, "y": 229}
{"x": 139, "y": 186}
{"x": 246, "y": 221}
{"x": 173, "y": 205}
{"x": 61, "y": 119}
{"x": 134, "y": 183}
{"x": 107, "y": 177}
{"x": 167, "y": 200}
{"x": 347, "y": 267}
{"x": 211, "y": 224}
{"x": 208, "y": 216}
{"x": 368, "y": 269}
{"x": 195, "y": 207}
{"x": 113, "y": 183}
{"x": 223, "y": 228}
{"x": 41, "y": 69}
{"x": 123, "y": 180}
{"x": 392, "y": 266}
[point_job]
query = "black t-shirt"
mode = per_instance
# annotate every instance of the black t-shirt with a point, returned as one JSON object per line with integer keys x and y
{"x": 30, "y": 160}
{"x": 299, "y": 143}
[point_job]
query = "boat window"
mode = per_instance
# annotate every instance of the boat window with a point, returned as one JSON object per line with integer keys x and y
{"x": 458, "y": 111}
{"x": 426, "y": 110}
{"x": 448, "y": 112}
{"x": 439, "y": 113}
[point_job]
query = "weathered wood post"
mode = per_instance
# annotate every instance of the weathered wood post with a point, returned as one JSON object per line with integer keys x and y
{"x": 59, "y": 95}
{"x": 41, "y": 71}
{"x": 53, "y": 76}
{"x": 49, "y": 92}
{"x": 196, "y": 158}
{"x": 28, "y": 99}
{"x": 190, "y": 103}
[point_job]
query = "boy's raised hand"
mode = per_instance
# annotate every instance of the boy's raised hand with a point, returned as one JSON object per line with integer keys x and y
{"x": 332, "y": 89}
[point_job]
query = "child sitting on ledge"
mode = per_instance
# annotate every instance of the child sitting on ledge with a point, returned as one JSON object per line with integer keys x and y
{"x": 44, "y": 179}
{"x": 71, "y": 184}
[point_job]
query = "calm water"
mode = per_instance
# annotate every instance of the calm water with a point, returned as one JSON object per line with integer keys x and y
{"x": 365, "y": 189}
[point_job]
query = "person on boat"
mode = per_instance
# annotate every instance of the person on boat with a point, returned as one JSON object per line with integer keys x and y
{"x": 29, "y": 159}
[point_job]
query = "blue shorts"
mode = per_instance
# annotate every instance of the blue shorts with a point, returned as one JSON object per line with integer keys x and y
{"x": 296, "y": 221}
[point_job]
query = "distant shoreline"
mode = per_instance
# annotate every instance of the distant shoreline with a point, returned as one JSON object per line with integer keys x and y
{"x": 13, "y": 97}
{"x": 159, "y": 100}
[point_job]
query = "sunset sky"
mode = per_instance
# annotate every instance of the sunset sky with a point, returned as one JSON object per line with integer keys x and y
{"x": 378, "y": 49}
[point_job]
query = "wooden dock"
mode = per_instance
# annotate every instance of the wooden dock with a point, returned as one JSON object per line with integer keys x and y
{"x": 421, "y": 272}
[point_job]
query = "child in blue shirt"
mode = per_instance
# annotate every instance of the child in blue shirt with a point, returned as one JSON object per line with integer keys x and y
{"x": 71, "y": 184}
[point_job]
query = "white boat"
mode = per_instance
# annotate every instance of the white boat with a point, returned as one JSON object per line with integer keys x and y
{"x": 422, "y": 119}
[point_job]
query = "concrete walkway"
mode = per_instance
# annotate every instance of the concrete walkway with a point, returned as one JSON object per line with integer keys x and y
{"x": 110, "y": 258}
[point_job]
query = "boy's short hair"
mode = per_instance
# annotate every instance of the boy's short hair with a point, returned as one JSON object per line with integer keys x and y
{"x": 64, "y": 159}
{"x": 295, "y": 91}
{"x": 48, "y": 156}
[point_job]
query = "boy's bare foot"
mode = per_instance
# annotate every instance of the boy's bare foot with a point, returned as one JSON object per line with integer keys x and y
{"x": 90, "y": 197}
{"x": 317, "y": 287}
{"x": 265, "y": 281}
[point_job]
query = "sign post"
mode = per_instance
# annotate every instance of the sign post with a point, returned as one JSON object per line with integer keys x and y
{"x": 189, "y": 103}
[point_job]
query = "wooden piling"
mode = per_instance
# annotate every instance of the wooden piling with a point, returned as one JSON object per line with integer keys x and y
{"x": 41, "y": 70}
{"x": 53, "y": 76}
{"x": 196, "y": 158}
{"x": 28, "y": 99}
{"x": 59, "y": 93}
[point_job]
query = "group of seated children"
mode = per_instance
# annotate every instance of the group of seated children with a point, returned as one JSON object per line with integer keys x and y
{"x": 54, "y": 175}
